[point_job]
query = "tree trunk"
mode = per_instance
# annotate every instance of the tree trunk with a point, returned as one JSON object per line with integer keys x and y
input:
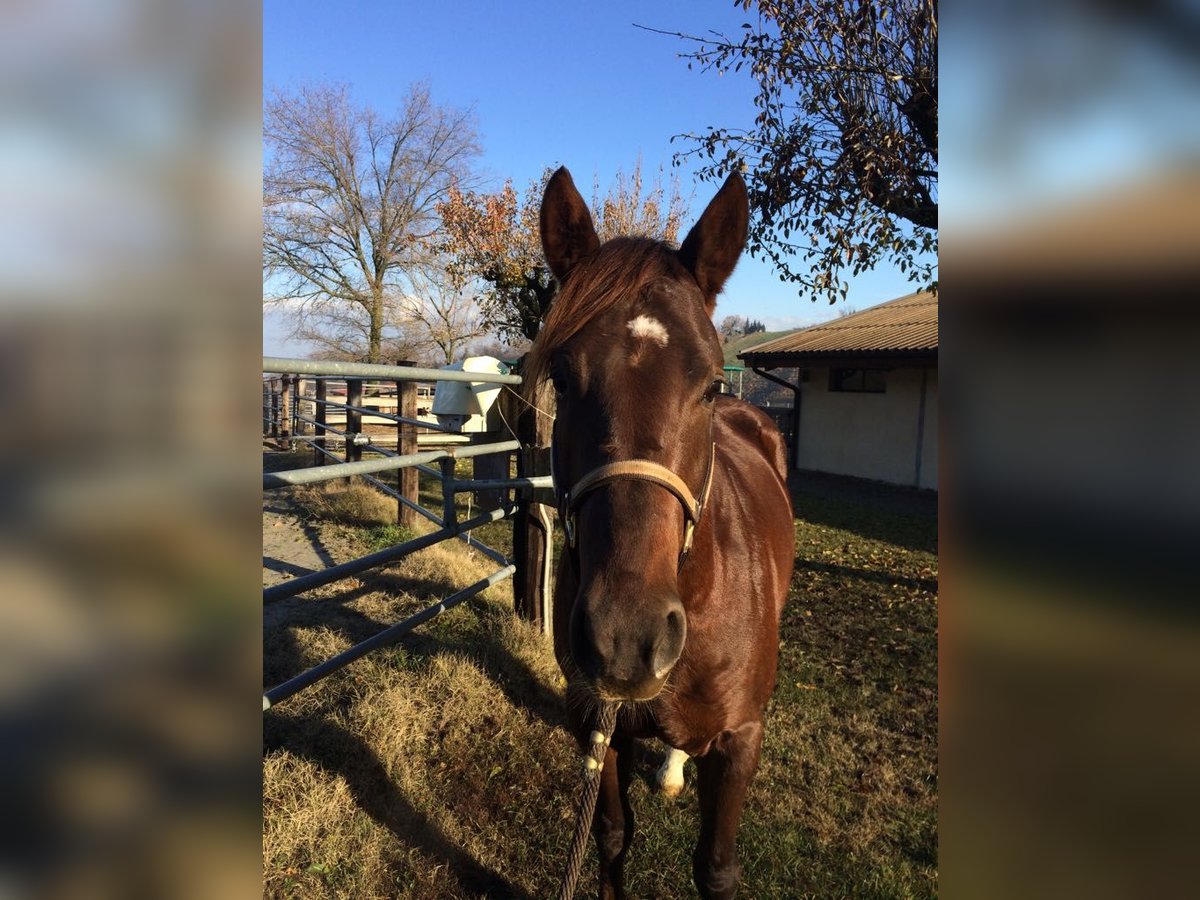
{"x": 375, "y": 338}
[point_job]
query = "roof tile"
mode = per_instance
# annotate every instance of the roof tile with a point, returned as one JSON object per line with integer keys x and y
{"x": 906, "y": 323}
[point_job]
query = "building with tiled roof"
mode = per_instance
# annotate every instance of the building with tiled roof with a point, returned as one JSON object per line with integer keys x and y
{"x": 865, "y": 389}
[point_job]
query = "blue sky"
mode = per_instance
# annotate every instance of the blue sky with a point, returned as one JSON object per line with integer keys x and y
{"x": 551, "y": 83}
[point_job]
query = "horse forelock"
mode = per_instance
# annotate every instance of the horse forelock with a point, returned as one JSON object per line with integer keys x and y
{"x": 621, "y": 268}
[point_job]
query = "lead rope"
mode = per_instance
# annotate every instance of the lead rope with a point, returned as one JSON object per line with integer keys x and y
{"x": 593, "y": 765}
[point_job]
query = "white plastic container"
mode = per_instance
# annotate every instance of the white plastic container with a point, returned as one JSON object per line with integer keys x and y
{"x": 468, "y": 406}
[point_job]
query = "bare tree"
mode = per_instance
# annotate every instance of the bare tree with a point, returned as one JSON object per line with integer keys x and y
{"x": 447, "y": 318}
{"x": 341, "y": 331}
{"x": 493, "y": 346}
{"x": 628, "y": 211}
{"x": 350, "y": 197}
{"x": 731, "y": 327}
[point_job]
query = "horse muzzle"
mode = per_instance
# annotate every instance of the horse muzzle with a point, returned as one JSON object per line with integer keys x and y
{"x": 628, "y": 655}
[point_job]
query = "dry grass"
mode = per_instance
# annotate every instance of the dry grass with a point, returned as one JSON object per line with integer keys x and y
{"x": 355, "y": 504}
{"x": 386, "y": 778}
{"x": 439, "y": 768}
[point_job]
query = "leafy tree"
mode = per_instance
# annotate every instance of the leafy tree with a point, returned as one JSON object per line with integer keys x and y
{"x": 494, "y": 238}
{"x": 754, "y": 327}
{"x": 349, "y": 201}
{"x": 842, "y": 156}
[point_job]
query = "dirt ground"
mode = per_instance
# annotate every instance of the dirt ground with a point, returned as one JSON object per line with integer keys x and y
{"x": 295, "y": 545}
{"x": 294, "y": 542}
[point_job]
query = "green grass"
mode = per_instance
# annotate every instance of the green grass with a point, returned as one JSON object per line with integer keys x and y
{"x": 380, "y": 537}
{"x": 439, "y": 767}
{"x": 497, "y": 535}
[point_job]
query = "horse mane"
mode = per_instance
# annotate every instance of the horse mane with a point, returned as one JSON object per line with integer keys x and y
{"x": 621, "y": 267}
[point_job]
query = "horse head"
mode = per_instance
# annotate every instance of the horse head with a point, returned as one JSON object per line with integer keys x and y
{"x": 635, "y": 361}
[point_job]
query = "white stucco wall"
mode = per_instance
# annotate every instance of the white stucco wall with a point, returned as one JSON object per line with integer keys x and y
{"x": 929, "y": 446}
{"x": 870, "y": 435}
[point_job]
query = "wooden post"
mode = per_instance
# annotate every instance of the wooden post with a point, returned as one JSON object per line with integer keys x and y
{"x": 531, "y": 536}
{"x": 494, "y": 466}
{"x": 354, "y": 397}
{"x": 285, "y": 410}
{"x": 319, "y": 458}
{"x": 449, "y": 510}
{"x": 406, "y": 442}
{"x": 266, "y": 391}
{"x": 298, "y": 411}
{"x": 274, "y": 411}
{"x": 294, "y": 427}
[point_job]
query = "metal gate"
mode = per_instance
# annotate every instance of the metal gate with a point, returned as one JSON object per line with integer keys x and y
{"x": 283, "y": 420}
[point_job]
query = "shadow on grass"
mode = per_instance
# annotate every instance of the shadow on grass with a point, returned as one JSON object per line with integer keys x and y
{"x": 895, "y": 515}
{"x": 339, "y": 752}
{"x": 276, "y": 460}
{"x": 880, "y": 577}
{"x": 479, "y": 643}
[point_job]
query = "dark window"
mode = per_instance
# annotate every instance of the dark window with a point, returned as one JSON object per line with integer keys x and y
{"x": 858, "y": 381}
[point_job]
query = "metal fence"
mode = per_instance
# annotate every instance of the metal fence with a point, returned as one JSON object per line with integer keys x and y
{"x": 285, "y": 400}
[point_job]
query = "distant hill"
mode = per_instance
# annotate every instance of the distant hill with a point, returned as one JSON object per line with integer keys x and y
{"x": 745, "y": 342}
{"x": 756, "y": 389}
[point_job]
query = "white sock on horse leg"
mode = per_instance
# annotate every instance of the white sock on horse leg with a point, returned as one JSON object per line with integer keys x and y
{"x": 670, "y": 774}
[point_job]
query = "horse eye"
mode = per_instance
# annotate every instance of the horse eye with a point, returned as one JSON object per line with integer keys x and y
{"x": 713, "y": 390}
{"x": 557, "y": 379}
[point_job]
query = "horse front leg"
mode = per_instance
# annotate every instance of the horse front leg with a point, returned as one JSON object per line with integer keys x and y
{"x": 724, "y": 777}
{"x": 612, "y": 824}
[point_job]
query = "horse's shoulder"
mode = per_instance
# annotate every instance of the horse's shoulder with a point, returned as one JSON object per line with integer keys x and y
{"x": 756, "y": 429}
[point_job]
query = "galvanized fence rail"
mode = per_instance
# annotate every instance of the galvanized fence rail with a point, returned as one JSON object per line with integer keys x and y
{"x": 285, "y": 424}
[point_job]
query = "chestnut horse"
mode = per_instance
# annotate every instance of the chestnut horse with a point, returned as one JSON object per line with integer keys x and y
{"x": 679, "y": 524}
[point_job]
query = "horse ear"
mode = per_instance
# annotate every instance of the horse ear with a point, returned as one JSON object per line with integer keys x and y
{"x": 567, "y": 231}
{"x": 712, "y": 247}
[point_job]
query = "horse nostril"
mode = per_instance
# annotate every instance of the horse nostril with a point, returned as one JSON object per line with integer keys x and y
{"x": 586, "y": 647}
{"x": 669, "y": 643}
{"x": 675, "y": 623}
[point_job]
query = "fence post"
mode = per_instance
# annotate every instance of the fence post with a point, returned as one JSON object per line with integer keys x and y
{"x": 274, "y": 411}
{"x": 285, "y": 410}
{"x": 319, "y": 457}
{"x": 532, "y": 526}
{"x": 299, "y": 427}
{"x": 406, "y": 443}
{"x": 494, "y": 466}
{"x": 266, "y": 392}
{"x": 449, "y": 511}
{"x": 354, "y": 398}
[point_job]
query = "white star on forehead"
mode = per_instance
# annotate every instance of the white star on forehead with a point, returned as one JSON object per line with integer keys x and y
{"x": 646, "y": 327}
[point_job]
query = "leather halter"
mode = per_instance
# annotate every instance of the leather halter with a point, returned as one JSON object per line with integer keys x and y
{"x": 570, "y": 500}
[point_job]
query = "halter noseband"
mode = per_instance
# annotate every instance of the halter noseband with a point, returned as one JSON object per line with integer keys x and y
{"x": 570, "y": 500}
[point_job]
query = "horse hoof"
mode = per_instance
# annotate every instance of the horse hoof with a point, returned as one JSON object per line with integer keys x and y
{"x": 670, "y": 774}
{"x": 671, "y": 789}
